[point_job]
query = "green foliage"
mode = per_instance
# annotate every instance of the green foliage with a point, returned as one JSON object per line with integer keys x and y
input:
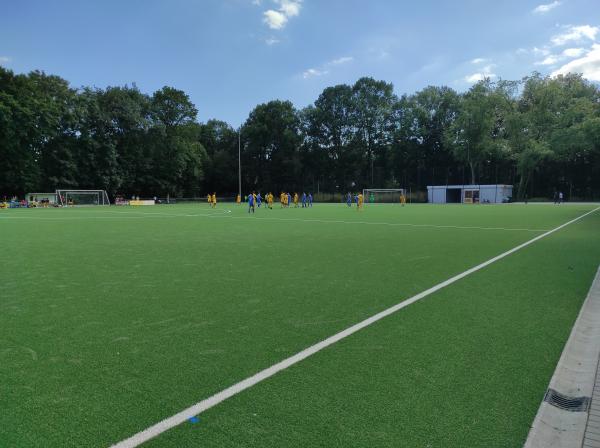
{"x": 271, "y": 141}
{"x": 118, "y": 139}
{"x": 540, "y": 133}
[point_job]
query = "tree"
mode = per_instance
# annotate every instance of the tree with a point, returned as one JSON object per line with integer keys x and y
{"x": 541, "y": 134}
{"x": 176, "y": 152}
{"x": 476, "y": 134}
{"x": 271, "y": 138}
{"x": 19, "y": 135}
{"x": 372, "y": 105}
{"x": 328, "y": 131}
{"x": 421, "y": 121}
{"x": 221, "y": 164}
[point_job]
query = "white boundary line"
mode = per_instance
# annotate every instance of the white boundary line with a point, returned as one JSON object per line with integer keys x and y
{"x": 114, "y": 215}
{"x": 181, "y": 417}
{"x": 393, "y": 224}
{"x": 226, "y": 213}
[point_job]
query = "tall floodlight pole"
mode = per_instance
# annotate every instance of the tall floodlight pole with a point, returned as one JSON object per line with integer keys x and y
{"x": 240, "y": 161}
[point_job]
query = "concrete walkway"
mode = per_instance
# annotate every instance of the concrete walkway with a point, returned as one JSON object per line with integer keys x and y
{"x": 592, "y": 430}
{"x": 569, "y": 416}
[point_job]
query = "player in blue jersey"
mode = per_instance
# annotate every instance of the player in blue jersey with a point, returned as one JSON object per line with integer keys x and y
{"x": 251, "y": 203}
{"x": 258, "y": 199}
{"x": 310, "y": 199}
{"x": 349, "y": 200}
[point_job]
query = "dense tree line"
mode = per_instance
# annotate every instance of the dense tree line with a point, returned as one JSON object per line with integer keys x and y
{"x": 539, "y": 134}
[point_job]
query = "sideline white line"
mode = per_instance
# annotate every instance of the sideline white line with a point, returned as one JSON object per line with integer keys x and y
{"x": 227, "y": 214}
{"x": 223, "y": 212}
{"x": 235, "y": 389}
{"x": 393, "y": 224}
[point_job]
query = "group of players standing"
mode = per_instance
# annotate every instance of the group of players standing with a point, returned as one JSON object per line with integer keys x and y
{"x": 358, "y": 199}
{"x": 255, "y": 200}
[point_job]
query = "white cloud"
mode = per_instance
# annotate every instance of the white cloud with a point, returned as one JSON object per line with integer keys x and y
{"x": 573, "y": 52}
{"x": 543, "y": 9}
{"x": 277, "y": 19}
{"x": 550, "y": 60}
{"x": 475, "y": 77}
{"x": 477, "y": 61}
{"x": 486, "y": 72}
{"x": 588, "y": 65}
{"x": 342, "y": 60}
{"x": 325, "y": 68}
{"x": 274, "y": 19}
{"x": 313, "y": 72}
{"x": 5, "y": 59}
{"x": 290, "y": 8}
{"x": 576, "y": 34}
{"x": 544, "y": 51}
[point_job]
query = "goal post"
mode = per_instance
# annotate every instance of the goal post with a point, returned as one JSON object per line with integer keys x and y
{"x": 82, "y": 197}
{"x": 383, "y": 195}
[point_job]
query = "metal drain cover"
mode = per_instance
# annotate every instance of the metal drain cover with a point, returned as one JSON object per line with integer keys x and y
{"x": 572, "y": 404}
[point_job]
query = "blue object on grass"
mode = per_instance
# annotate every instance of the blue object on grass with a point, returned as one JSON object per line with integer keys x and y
{"x": 194, "y": 419}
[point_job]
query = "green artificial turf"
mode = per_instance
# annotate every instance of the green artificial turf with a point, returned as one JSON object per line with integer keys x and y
{"x": 112, "y": 319}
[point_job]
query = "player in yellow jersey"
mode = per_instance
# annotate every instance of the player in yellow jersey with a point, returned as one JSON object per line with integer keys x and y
{"x": 295, "y": 200}
{"x": 209, "y": 199}
{"x": 238, "y": 199}
{"x": 270, "y": 200}
{"x": 359, "y": 202}
{"x": 402, "y": 199}
{"x": 213, "y": 200}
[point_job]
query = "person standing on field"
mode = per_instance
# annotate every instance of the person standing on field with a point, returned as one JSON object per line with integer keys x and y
{"x": 251, "y": 203}
{"x": 213, "y": 200}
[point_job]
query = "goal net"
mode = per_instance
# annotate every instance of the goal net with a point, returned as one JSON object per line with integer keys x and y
{"x": 383, "y": 196}
{"x": 82, "y": 197}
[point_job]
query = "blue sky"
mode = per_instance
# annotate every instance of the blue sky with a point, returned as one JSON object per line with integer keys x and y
{"x": 230, "y": 55}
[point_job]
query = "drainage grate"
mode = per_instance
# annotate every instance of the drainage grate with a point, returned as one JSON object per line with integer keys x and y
{"x": 572, "y": 404}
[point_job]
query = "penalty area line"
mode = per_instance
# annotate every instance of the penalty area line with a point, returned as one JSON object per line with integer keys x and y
{"x": 201, "y": 406}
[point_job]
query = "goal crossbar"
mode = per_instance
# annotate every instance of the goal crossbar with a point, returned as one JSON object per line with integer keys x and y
{"x": 383, "y": 195}
{"x": 66, "y": 197}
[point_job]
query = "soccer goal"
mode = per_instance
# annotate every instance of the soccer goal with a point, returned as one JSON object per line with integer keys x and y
{"x": 82, "y": 197}
{"x": 383, "y": 196}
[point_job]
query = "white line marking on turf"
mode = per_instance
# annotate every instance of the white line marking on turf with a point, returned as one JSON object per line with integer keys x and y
{"x": 137, "y": 215}
{"x": 129, "y": 215}
{"x": 393, "y": 224}
{"x": 226, "y": 214}
{"x": 181, "y": 417}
